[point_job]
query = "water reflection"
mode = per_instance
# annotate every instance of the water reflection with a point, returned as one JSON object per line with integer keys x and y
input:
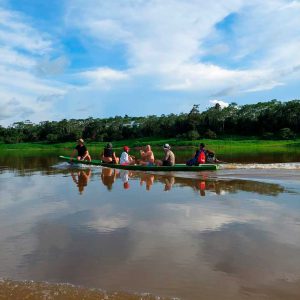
{"x": 174, "y": 246}
{"x": 81, "y": 178}
{"x": 203, "y": 183}
{"x": 146, "y": 232}
{"x": 108, "y": 177}
{"x": 169, "y": 182}
{"x": 147, "y": 179}
{"x": 25, "y": 164}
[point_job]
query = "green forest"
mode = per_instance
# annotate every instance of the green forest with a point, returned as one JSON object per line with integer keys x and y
{"x": 265, "y": 120}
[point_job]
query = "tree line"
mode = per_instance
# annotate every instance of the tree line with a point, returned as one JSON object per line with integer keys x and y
{"x": 267, "y": 120}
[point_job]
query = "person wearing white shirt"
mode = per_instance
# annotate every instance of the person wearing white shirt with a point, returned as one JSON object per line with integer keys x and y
{"x": 125, "y": 158}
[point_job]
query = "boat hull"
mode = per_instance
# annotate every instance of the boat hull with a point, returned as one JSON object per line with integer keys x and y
{"x": 177, "y": 167}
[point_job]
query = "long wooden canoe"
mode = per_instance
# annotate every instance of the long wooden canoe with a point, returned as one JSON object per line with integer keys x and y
{"x": 177, "y": 167}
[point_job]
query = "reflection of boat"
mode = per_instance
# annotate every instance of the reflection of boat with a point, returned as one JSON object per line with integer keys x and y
{"x": 205, "y": 184}
{"x": 201, "y": 183}
{"x": 177, "y": 167}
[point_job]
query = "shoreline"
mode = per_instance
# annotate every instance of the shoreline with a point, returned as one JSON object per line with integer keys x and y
{"x": 232, "y": 144}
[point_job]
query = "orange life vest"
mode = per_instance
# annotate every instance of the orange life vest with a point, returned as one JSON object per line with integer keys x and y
{"x": 201, "y": 158}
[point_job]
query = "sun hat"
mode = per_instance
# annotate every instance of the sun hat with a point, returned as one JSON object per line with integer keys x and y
{"x": 126, "y": 148}
{"x": 81, "y": 141}
{"x": 167, "y": 146}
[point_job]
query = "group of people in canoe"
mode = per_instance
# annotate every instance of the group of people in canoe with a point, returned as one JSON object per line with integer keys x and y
{"x": 147, "y": 158}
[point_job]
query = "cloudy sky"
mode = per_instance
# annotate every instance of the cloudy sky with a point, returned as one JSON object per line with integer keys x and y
{"x": 80, "y": 58}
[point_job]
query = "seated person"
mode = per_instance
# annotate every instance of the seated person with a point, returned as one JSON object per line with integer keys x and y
{"x": 209, "y": 155}
{"x": 199, "y": 157}
{"x": 168, "y": 159}
{"x": 147, "y": 156}
{"x": 211, "y": 158}
{"x": 108, "y": 155}
{"x": 82, "y": 152}
{"x": 125, "y": 158}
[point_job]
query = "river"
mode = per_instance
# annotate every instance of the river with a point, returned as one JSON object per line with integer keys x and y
{"x": 69, "y": 232}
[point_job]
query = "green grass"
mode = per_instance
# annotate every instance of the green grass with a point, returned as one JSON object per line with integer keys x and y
{"x": 237, "y": 145}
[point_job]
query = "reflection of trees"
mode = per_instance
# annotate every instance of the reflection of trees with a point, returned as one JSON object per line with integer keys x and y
{"x": 251, "y": 186}
{"x": 232, "y": 186}
{"x": 25, "y": 164}
{"x": 265, "y": 157}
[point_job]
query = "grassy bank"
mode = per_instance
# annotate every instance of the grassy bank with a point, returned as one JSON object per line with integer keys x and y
{"x": 220, "y": 146}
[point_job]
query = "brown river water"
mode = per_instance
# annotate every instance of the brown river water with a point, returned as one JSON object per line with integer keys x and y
{"x": 77, "y": 232}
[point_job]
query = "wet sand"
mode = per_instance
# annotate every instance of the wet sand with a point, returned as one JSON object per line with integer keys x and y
{"x": 13, "y": 290}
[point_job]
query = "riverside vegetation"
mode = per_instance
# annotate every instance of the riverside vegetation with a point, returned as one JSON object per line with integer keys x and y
{"x": 273, "y": 120}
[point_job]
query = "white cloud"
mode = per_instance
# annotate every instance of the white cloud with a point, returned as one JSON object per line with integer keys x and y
{"x": 10, "y": 57}
{"x": 103, "y": 75}
{"x": 166, "y": 45}
{"x": 47, "y": 67}
{"x": 171, "y": 49}
{"x": 106, "y": 219}
{"x": 20, "y": 94}
{"x": 24, "y": 60}
{"x": 16, "y": 33}
{"x": 222, "y": 103}
{"x": 158, "y": 34}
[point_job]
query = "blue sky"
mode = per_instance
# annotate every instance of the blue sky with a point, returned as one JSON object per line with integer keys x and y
{"x": 100, "y": 58}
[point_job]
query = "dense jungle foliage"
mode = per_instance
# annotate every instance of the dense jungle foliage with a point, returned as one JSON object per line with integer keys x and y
{"x": 267, "y": 120}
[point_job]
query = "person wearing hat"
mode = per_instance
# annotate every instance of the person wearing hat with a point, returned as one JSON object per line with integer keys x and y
{"x": 125, "y": 158}
{"x": 108, "y": 155}
{"x": 169, "y": 158}
{"x": 82, "y": 152}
